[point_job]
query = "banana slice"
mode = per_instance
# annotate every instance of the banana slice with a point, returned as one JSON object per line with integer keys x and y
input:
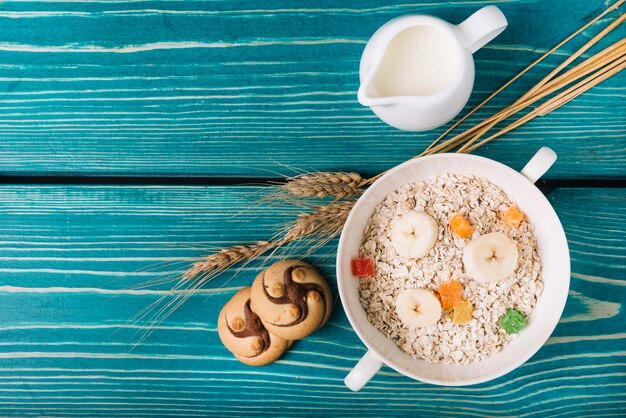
{"x": 418, "y": 307}
{"x": 414, "y": 234}
{"x": 490, "y": 257}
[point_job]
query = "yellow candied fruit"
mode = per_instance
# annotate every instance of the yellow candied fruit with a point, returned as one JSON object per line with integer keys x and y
{"x": 450, "y": 293}
{"x": 462, "y": 312}
{"x": 513, "y": 217}
{"x": 461, "y": 226}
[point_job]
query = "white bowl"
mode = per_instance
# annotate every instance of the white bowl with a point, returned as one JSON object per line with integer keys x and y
{"x": 552, "y": 246}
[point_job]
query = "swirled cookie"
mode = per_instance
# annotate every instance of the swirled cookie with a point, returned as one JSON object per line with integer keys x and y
{"x": 292, "y": 299}
{"x": 244, "y": 335}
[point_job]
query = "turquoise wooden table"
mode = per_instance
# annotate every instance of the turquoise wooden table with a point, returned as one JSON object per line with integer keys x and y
{"x": 135, "y": 136}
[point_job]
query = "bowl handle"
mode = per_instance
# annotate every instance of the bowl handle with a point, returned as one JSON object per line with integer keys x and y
{"x": 364, "y": 370}
{"x": 539, "y": 164}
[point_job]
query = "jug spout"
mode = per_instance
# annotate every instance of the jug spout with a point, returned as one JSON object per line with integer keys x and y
{"x": 368, "y": 97}
{"x": 364, "y": 98}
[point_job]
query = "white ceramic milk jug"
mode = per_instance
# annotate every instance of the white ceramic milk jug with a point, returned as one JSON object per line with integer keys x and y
{"x": 417, "y": 71}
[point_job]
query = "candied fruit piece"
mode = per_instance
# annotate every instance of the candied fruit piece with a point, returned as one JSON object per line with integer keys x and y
{"x": 461, "y": 226}
{"x": 513, "y": 217}
{"x": 512, "y": 321}
{"x": 450, "y": 293}
{"x": 462, "y": 312}
{"x": 363, "y": 267}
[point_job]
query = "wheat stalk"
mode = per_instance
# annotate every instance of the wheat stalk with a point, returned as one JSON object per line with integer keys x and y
{"x": 536, "y": 90}
{"x": 325, "y": 220}
{"x": 608, "y": 10}
{"x": 598, "y": 63}
{"x": 323, "y": 224}
{"x": 559, "y": 100}
{"x": 548, "y": 85}
{"x": 601, "y": 60}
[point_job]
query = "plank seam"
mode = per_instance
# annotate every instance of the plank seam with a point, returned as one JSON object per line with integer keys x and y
{"x": 546, "y": 185}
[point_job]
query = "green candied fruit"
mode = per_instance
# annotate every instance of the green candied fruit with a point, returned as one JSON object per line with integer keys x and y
{"x": 512, "y": 321}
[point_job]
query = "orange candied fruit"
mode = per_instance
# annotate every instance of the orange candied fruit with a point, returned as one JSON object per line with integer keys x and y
{"x": 513, "y": 217}
{"x": 461, "y": 226}
{"x": 450, "y": 293}
{"x": 462, "y": 312}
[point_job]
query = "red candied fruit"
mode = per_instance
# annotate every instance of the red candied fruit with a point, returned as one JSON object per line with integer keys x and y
{"x": 363, "y": 267}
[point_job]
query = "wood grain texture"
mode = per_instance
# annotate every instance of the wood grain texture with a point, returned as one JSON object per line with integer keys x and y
{"x": 72, "y": 258}
{"x": 236, "y": 88}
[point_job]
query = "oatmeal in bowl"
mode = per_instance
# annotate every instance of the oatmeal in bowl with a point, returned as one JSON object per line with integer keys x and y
{"x": 453, "y": 258}
{"x": 452, "y": 269}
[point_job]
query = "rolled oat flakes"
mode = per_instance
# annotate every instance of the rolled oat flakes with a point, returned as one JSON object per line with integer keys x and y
{"x": 480, "y": 202}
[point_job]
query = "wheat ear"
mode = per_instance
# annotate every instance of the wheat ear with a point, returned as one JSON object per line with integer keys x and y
{"x": 322, "y": 184}
{"x": 325, "y": 220}
{"x": 227, "y": 257}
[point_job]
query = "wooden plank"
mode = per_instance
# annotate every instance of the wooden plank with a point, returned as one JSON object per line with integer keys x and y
{"x": 72, "y": 255}
{"x": 238, "y": 88}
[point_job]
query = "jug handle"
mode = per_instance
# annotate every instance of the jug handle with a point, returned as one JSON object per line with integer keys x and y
{"x": 481, "y": 27}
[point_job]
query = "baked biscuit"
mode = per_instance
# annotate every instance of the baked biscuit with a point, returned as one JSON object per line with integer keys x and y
{"x": 292, "y": 299}
{"x": 244, "y": 335}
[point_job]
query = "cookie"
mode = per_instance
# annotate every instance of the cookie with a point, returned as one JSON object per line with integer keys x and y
{"x": 244, "y": 335}
{"x": 292, "y": 299}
